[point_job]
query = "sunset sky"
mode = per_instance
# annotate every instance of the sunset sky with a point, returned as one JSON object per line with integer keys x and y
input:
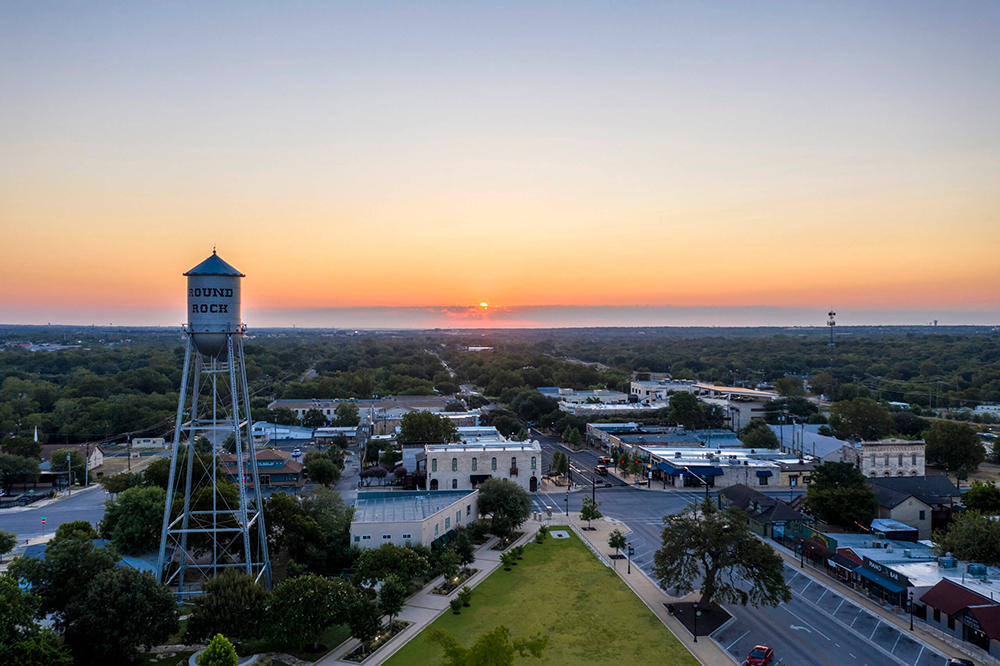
{"x": 568, "y": 163}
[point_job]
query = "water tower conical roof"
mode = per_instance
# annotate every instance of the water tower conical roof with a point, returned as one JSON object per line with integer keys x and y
{"x": 214, "y": 265}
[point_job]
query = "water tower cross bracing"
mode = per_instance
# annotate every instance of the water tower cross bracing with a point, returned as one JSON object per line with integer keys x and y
{"x": 206, "y": 526}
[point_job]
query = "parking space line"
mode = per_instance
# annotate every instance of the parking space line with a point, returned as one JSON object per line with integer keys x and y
{"x": 737, "y": 640}
{"x": 838, "y": 606}
{"x": 825, "y": 590}
{"x": 919, "y": 654}
{"x": 877, "y": 624}
{"x": 898, "y": 636}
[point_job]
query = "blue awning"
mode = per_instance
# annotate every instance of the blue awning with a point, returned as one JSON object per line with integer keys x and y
{"x": 763, "y": 472}
{"x": 705, "y": 471}
{"x": 669, "y": 469}
{"x": 875, "y": 578}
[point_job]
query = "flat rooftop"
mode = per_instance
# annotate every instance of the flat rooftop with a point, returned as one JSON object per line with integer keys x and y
{"x": 405, "y": 506}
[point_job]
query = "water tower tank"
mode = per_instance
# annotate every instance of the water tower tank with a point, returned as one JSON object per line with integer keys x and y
{"x": 213, "y": 304}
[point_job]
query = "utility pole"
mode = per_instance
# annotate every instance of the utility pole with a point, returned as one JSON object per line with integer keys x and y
{"x": 69, "y": 474}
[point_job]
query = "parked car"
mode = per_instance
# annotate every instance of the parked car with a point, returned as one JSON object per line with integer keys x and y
{"x": 601, "y": 469}
{"x": 961, "y": 662}
{"x": 604, "y": 460}
{"x": 760, "y": 655}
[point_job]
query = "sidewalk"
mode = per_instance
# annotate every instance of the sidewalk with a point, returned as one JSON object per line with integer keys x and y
{"x": 424, "y": 607}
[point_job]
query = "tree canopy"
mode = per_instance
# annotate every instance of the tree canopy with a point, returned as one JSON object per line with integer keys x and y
{"x": 953, "y": 445}
{"x": 132, "y": 520}
{"x": 860, "y": 418}
{"x": 508, "y": 503}
{"x": 971, "y": 536}
{"x": 232, "y": 604}
{"x": 494, "y": 648}
{"x": 982, "y": 496}
{"x": 840, "y": 495}
{"x": 717, "y": 546}
{"x": 420, "y": 426}
{"x": 758, "y": 435}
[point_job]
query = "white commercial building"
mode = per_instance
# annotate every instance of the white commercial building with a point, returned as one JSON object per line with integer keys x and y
{"x": 415, "y": 517}
{"x": 464, "y": 465}
{"x": 888, "y": 457}
{"x": 659, "y": 390}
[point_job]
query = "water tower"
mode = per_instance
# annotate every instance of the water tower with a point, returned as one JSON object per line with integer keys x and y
{"x": 211, "y": 529}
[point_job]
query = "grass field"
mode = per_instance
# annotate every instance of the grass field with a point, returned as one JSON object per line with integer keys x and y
{"x": 561, "y": 590}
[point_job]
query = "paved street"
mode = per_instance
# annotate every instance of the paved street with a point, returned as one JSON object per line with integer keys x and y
{"x": 26, "y": 523}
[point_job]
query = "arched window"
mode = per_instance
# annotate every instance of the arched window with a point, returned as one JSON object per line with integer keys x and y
{"x": 434, "y": 464}
{"x": 454, "y": 484}
{"x": 494, "y": 464}
{"x": 533, "y": 462}
{"x": 454, "y": 464}
{"x": 434, "y": 486}
{"x": 885, "y": 473}
{"x": 513, "y": 461}
{"x": 475, "y": 465}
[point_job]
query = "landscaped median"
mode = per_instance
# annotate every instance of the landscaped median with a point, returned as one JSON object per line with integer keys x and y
{"x": 559, "y": 589}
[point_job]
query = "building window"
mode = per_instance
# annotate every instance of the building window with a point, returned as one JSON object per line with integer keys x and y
{"x": 386, "y": 536}
{"x": 468, "y": 509}
{"x": 447, "y": 523}
{"x": 406, "y": 536}
{"x": 937, "y": 615}
{"x": 533, "y": 462}
{"x": 454, "y": 464}
{"x": 454, "y": 484}
{"x": 900, "y": 459}
{"x": 762, "y": 480}
{"x": 923, "y": 515}
{"x": 458, "y": 517}
{"x": 367, "y": 537}
{"x": 951, "y": 622}
{"x": 873, "y": 459}
{"x": 913, "y": 459}
{"x": 887, "y": 461}
{"x": 434, "y": 464}
{"x": 357, "y": 538}
{"x": 475, "y": 464}
{"x": 494, "y": 464}
{"x": 436, "y": 529}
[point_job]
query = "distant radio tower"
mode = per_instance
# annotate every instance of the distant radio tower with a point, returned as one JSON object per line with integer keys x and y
{"x": 831, "y": 323}
{"x": 205, "y": 529}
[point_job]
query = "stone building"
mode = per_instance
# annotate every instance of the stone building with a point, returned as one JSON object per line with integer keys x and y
{"x": 463, "y": 466}
{"x": 887, "y": 457}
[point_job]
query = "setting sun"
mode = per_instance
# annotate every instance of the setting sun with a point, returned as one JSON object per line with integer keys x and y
{"x": 484, "y": 304}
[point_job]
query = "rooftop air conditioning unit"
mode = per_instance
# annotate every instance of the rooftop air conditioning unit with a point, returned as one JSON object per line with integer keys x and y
{"x": 976, "y": 570}
{"x": 906, "y": 552}
{"x": 888, "y": 548}
{"x": 947, "y": 562}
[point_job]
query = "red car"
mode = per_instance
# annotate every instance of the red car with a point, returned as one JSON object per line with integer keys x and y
{"x": 760, "y": 655}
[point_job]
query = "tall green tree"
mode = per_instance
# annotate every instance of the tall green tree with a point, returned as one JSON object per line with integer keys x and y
{"x": 392, "y": 596}
{"x": 313, "y": 418}
{"x": 617, "y": 541}
{"x": 590, "y": 511}
{"x": 716, "y": 545}
{"x": 300, "y": 609}
{"x": 22, "y": 639}
{"x": 346, "y": 415}
{"x": 16, "y": 470}
{"x": 860, "y": 418}
{"x": 364, "y": 619}
{"x": 953, "y": 445}
{"x": 508, "y": 503}
{"x": 69, "y": 566}
{"x": 232, "y": 603}
{"x": 77, "y": 464}
{"x": 322, "y": 470}
{"x": 971, "y": 536}
{"x": 8, "y": 540}
{"x": 26, "y": 447}
{"x": 983, "y": 497}
{"x": 494, "y": 648}
{"x": 686, "y": 410}
{"x": 121, "y": 610}
{"x": 375, "y": 564}
{"x": 758, "y": 435}
{"x": 426, "y": 427}
{"x": 839, "y": 494}
{"x": 132, "y": 520}
{"x": 788, "y": 387}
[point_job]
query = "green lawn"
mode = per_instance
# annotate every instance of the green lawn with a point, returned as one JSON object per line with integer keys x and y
{"x": 561, "y": 590}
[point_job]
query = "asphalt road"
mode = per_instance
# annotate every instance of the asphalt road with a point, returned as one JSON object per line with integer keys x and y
{"x": 81, "y": 505}
{"x": 817, "y": 628}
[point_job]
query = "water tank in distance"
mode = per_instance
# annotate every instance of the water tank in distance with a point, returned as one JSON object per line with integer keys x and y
{"x": 213, "y": 304}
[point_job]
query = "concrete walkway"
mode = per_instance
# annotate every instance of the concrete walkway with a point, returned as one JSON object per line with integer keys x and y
{"x": 424, "y": 607}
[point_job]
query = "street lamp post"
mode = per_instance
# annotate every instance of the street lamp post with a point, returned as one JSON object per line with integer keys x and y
{"x": 697, "y": 614}
{"x": 629, "y": 554}
{"x": 910, "y": 603}
{"x": 69, "y": 475}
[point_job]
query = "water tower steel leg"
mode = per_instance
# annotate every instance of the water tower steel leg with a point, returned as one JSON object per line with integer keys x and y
{"x": 195, "y": 389}
{"x": 242, "y": 481}
{"x": 173, "y": 463}
{"x": 215, "y": 467}
{"x": 265, "y": 560}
